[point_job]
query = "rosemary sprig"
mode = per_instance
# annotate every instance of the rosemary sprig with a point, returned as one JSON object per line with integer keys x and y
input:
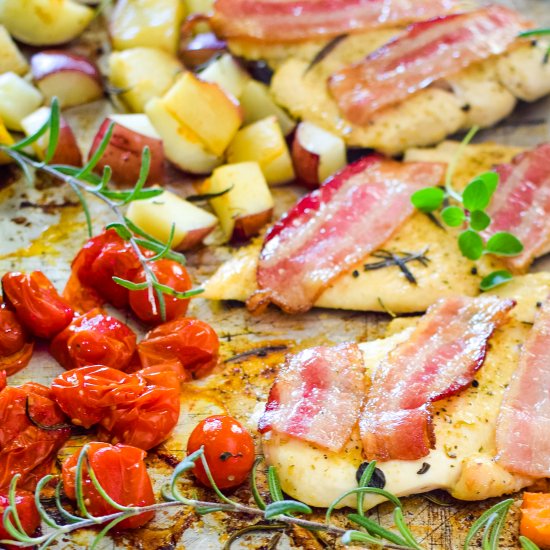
{"x": 275, "y": 516}
{"x": 83, "y": 181}
{"x": 399, "y": 259}
{"x": 471, "y": 210}
{"x": 538, "y": 32}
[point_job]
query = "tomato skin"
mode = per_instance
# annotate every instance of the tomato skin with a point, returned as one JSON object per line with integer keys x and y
{"x": 12, "y": 334}
{"x": 24, "y": 447}
{"x": 169, "y": 273}
{"x": 85, "y": 394}
{"x": 193, "y": 343}
{"x": 149, "y": 420}
{"x": 228, "y": 449}
{"x": 94, "y": 339}
{"x": 103, "y": 257}
{"x": 37, "y": 304}
{"x": 26, "y": 510}
{"x": 16, "y": 348}
{"x": 121, "y": 471}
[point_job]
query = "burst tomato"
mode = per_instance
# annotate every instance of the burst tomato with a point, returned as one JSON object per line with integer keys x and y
{"x": 87, "y": 393}
{"x": 26, "y": 510}
{"x": 168, "y": 273}
{"x": 228, "y": 449}
{"x": 36, "y": 302}
{"x": 103, "y": 257}
{"x": 149, "y": 420}
{"x": 192, "y": 342}
{"x": 121, "y": 472}
{"x": 15, "y": 346}
{"x": 29, "y": 442}
{"x": 94, "y": 339}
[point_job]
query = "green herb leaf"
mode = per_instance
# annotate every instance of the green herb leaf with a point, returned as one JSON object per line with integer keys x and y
{"x": 527, "y": 544}
{"x": 122, "y": 231}
{"x": 54, "y": 125}
{"x": 479, "y": 220}
{"x": 428, "y": 199}
{"x": 470, "y": 244}
{"x": 504, "y": 244}
{"x": 490, "y": 179}
{"x": 453, "y": 216}
{"x": 476, "y": 196}
{"x": 494, "y": 279}
{"x": 274, "y": 485}
{"x": 130, "y": 285}
{"x": 487, "y": 519}
{"x": 260, "y": 503}
{"x": 283, "y": 507}
{"x": 377, "y": 530}
{"x": 350, "y": 537}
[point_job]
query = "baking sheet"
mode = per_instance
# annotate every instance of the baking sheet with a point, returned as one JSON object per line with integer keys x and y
{"x": 42, "y": 229}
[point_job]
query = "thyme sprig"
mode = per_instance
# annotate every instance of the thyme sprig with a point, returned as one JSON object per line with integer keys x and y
{"x": 273, "y": 517}
{"x": 471, "y": 210}
{"x": 84, "y": 181}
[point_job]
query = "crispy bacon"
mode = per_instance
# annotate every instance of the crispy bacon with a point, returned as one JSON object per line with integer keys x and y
{"x": 523, "y": 445}
{"x": 296, "y": 20}
{"x": 428, "y": 51}
{"x": 439, "y": 359}
{"x": 334, "y": 227}
{"x": 521, "y": 204}
{"x": 317, "y": 395}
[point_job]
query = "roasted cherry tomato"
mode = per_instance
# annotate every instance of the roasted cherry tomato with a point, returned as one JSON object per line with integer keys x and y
{"x": 168, "y": 273}
{"x": 26, "y": 510}
{"x": 121, "y": 471}
{"x": 192, "y": 342}
{"x": 15, "y": 345}
{"x": 87, "y": 393}
{"x": 37, "y": 304}
{"x": 103, "y": 257}
{"x": 149, "y": 420}
{"x": 228, "y": 449}
{"x": 32, "y": 430}
{"x": 94, "y": 339}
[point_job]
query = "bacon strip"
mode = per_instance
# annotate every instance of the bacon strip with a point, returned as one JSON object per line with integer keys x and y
{"x": 521, "y": 204}
{"x": 523, "y": 445}
{"x": 317, "y": 396}
{"x": 440, "y": 359}
{"x": 428, "y": 51}
{"x": 296, "y": 20}
{"x": 334, "y": 227}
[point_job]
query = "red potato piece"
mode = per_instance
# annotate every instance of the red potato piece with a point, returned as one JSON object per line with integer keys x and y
{"x": 201, "y": 49}
{"x": 73, "y": 79}
{"x": 131, "y": 134}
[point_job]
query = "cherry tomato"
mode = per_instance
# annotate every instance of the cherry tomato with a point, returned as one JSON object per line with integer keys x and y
{"x": 26, "y": 510}
{"x": 81, "y": 297}
{"x": 228, "y": 449}
{"x": 37, "y": 304}
{"x": 103, "y": 257}
{"x": 168, "y": 273}
{"x": 149, "y": 420}
{"x": 87, "y": 393}
{"x": 94, "y": 339}
{"x": 121, "y": 471}
{"x": 3, "y": 379}
{"x": 29, "y": 442}
{"x": 192, "y": 342}
{"x": 15, "y": 346}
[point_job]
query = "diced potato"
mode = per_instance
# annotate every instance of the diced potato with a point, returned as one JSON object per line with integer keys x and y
{"x": 257, "y": 103}
{"x": 181, "y": 146}
{"x": 148, "y": 23}
{"x": 206, "y": 109}
{"x": 18, "y": 99}
{"x": 44, "y": 22}
{"x": 144, "y": 73}
{"x": 264, "y": 143}
{"x": 227, "y": 73}
{"x": 5, "y": 139}
{"x": 157, "y": 215}
{"x": 247, "y": 206}
{"x": 11, "y": 59}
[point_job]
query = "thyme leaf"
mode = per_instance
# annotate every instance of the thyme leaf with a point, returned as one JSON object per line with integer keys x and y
{"x": 400, "y": 260}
